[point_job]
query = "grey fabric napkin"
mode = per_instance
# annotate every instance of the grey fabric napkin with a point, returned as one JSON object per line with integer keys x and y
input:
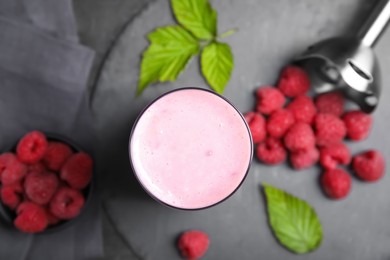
{"x": 55, "y": 17}
{"x": 43, "y": 75}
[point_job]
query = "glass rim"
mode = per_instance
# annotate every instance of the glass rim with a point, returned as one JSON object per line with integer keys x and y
{"x": 144, "y": 186}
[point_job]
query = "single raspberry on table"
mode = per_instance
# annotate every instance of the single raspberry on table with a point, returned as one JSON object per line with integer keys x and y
{"x": 336, "y": 183}
{"x": 32, "y": 147}
{"x": 271, "y": 151}
{"x": 358, "y": 124}
{"x": 293, "y": 81}
{"x": 40, "y": 186}
{"x": 303, "y": 109}
{"x": 56, "y": 155}
{"x": 304, "y": 158}
{"x": 11, "y": 195}
{"x": 369, "y": 165}
{"x": 332, "y": 103}
{"x": 193, "y": 244}
{"x": 334, "y": 154}
{"x": 269, "y": 99}
{"x": 256, "y": 123}
{"x": 329, "y": 129}
{"x": 11, "y": 169}
{"x": 77, "y": 171}
{"x": 66, "y": 203}
{"x": 31, "y": 218}
{"x": 279, "y": 122}
{"x": 299, "y": 137}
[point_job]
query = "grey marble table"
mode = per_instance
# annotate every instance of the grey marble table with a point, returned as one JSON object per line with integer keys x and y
{"x": 102, "y": 21}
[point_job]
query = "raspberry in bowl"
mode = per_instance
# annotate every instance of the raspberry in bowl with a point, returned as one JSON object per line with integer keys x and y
{"x": 45, "y": 183}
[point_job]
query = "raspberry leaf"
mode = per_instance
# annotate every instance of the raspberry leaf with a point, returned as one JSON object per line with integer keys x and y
{"x": 170, "y": 49}
{"x": 197, "y": 16}
{"x": 293, "y": 221}
{"x": 217, "y": 65}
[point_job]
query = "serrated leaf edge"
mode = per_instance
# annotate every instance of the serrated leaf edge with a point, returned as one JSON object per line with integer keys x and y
{"x": 266, "y": 186}
{"x": 226, "y": 61}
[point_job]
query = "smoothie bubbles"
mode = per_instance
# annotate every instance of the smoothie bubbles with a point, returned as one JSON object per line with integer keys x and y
{"x": 190, "y": 148}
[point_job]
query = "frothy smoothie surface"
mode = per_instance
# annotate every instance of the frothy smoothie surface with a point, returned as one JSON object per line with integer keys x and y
{"x": 190, "y": 149}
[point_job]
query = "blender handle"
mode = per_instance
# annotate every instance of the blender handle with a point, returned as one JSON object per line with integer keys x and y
{"x": 375, "y": 23}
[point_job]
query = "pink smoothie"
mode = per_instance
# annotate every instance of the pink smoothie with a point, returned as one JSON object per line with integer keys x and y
{"x": 190, "y": 149}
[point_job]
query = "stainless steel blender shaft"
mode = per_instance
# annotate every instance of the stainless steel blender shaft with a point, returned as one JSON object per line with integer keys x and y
{"x": 375, "y": 23}
{"x": 348, "y": 64}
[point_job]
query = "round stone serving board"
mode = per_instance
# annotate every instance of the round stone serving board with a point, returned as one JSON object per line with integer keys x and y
{"x": 270, "y": 34}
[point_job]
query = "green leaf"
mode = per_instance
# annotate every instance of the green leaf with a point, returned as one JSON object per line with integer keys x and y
{"x": 293, "y": 221}
{"x": 217, "y": 65}
{"x": 228, "y": 33}
{"x": 197, "y": 16}
{"x": 170, "y": 49}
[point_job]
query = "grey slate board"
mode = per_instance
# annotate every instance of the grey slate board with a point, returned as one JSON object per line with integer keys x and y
{"x": 270, "y": 34}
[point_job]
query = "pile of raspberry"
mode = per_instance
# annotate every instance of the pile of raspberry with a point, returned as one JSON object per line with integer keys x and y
{"x": 43, "y": 182}
{"x": 288, "y": 123}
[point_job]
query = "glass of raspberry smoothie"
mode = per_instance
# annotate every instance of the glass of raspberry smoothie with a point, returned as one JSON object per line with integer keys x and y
{"x": 190, "y": 148}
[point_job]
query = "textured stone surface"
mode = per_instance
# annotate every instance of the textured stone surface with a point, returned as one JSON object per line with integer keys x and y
{"x": 100, "y": 22}
{"x": 270, "y": 34}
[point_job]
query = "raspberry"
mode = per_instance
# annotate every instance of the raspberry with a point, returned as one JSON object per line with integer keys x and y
{"x": 256, "y": 123}
{"x": 5, "y": 159}
{"x": 303, "y": 109}
{"x": 52, "y": 220}
{"x": 32, "y": 147}
{"x": 36, "y": 167}
{"x": 299, "y": 137}
{"x": 66, "y": 203}
{"x": 279, "y": 122}
{"x": 40, "y": 187}
{"x": 56, "y": 155}
{"x": 369, "y": 165}
{"x": 77, "y": 171}
{"x": 269, "y": 99}
{"x": 358, "y": 124}
{"x": 271, "y": 151}
{"x": 336, "y": 183}
{"x": 31, "y": 218}
{"x": 332, "y": 103}
{"x": 334, "y": 154}
{"x": 329, "y": 129}
{"x": 304, "y": 158}
{"x": 13, "y": 170}
{"x": 193, "y": 244}
{"x": 293, "y": 81}
{"x": 11, "y": 195}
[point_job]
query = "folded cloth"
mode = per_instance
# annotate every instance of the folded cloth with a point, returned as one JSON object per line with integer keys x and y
{"x": 55, "y": 17}
{"x": 42, "y": 86}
